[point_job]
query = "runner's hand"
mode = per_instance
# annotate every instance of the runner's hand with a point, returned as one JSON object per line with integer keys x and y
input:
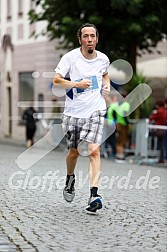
{"x": 85, "y": 83}
{"x": 105, "y": 90}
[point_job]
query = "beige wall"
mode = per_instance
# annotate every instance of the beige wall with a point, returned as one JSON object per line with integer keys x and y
{"x": 39, "y": 57}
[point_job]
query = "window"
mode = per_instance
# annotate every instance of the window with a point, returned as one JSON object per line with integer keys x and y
{"x": 20, "y": 8}
{"x": 20, "y": 31}
{"x": 9, "y": 9}
{"x": 26, "y": 90}
{"x": 40, "y": 103}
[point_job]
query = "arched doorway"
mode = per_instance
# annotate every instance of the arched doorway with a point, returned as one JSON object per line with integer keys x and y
{"x": 7, "y": 84}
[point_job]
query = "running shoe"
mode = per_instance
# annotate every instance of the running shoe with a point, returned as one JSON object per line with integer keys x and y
{"x": 69, "y": 190}
{"x": 94, "y": 204}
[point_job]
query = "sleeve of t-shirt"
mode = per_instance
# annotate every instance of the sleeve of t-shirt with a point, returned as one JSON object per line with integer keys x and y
{"x": 63, "y": 66}
{"x": 106, "y": 64}
{"x": 127, "y": 106}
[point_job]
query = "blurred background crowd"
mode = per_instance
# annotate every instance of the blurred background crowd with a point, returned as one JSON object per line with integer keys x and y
{"x": 34, "y": 34}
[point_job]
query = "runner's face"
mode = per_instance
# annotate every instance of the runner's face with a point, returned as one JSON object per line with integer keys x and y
{"x": 88, "y": 39}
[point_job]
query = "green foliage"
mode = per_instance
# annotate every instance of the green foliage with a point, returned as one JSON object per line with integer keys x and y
{"x": 124, "y": 25}
{"x": 144, "y": 110}
{"x": 135, "y": 81}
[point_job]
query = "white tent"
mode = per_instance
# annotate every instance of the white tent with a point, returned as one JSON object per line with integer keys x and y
{"x": 152, "y": 68}
{"x": 155, "y": 68}
{"x": 116, "y": 74}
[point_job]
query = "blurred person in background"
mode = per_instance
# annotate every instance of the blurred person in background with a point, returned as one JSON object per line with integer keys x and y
{"x": 110, "y": 124}
{"x": 30, "y": 123}
{"x": 159, "y": 117}
{"x": 165, "y": 139}
{"x": 122, "y": 109}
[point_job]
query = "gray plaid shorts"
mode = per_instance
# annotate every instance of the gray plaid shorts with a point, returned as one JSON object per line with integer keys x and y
{"x": 83, "y": 129}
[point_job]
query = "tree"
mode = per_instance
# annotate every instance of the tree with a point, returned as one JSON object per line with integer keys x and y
{"x": 144, "y": 110}
{"x": 124, "y": 25}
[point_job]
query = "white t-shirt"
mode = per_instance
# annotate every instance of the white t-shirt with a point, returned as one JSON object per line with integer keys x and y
{"x": 82, "y": 103}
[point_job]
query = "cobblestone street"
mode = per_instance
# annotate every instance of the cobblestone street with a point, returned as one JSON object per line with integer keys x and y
{"x": 35, "y": 217}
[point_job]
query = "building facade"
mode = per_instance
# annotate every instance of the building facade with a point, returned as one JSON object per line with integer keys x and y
{"x": 26, "y": 66}
{"x": 154, "y": 67}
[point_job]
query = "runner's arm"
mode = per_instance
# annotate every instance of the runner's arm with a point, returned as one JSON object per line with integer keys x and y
{"x": 61, "y": 82}
{"x": 106, "y": 85}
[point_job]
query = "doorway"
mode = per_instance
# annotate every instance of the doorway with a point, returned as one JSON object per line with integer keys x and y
{"x": 8, "y": 113}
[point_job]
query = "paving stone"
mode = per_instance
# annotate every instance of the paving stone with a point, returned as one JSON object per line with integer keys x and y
{"x": 35, "y": 217}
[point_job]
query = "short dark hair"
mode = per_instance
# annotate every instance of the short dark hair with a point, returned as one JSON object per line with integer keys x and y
{"x": 79, "y": 32}
{"x": 160, "y": 103}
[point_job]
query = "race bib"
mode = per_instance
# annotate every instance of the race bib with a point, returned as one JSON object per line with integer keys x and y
{"x": 93, "y": 86}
